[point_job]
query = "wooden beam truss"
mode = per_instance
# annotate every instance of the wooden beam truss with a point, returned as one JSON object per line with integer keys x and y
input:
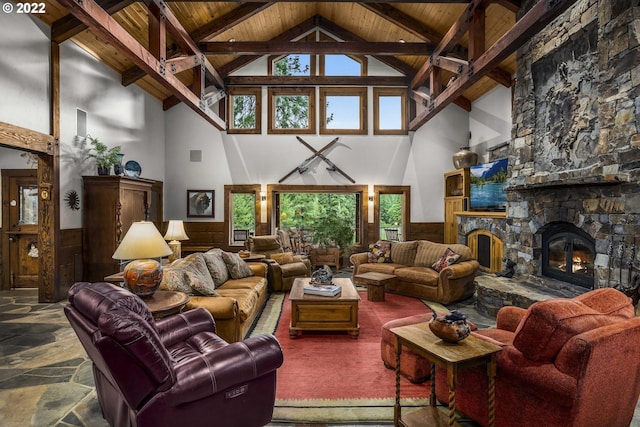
{"x": 103, "y": 25}
{"x": 543, "y": 12}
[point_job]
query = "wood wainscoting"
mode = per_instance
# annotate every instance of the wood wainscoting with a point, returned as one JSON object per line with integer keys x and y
{"x": 486, "y": 247}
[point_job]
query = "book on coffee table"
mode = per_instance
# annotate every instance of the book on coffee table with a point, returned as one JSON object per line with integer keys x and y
{"x": 323, "y": 290}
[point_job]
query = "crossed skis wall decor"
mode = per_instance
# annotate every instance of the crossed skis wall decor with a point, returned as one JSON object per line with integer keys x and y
{"x": 304, "y": 166}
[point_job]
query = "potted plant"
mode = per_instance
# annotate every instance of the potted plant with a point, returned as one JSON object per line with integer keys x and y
{"x": 334, "y": 237}
{"x": 105, "y": 156}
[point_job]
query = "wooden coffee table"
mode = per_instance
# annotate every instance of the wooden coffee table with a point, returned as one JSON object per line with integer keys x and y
{"x": 319, "y": 313}
{"x": 375, "y": 283}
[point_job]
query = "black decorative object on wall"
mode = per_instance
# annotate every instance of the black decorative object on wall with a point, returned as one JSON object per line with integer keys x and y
{"x": 72, "y": 200}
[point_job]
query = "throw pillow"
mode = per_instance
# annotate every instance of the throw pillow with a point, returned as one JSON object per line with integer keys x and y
{"x": 238, "y": 268}
{"x": 283, "y": 258}
{"x": 201, "y": 284}
{"x": 379, "y": 252}
{"x": 449, "y": 258}
{"x": 174, "y": 279}
{"x": 217, "y": 267}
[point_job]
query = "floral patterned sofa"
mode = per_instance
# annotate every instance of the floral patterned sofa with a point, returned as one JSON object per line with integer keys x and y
{"x": 232, "y": 290}
{"x": 423, "y": 269}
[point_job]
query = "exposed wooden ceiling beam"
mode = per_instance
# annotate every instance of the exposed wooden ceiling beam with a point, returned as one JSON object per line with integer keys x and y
{"x": 18, "y": 137}
{"x": 181, "y": 37}
{"x": 415, "y": 27}
{"x": 319, "y": 48}
{"x": 407, "y": 23}
{"x": 287, "y": 35}
{"x": 457, "y": 30}
{"x": 390, "y": 61}
{"x": 512, "y": 5}
{"x": 212, "y": 29}
{"x": 69, "y": 26}
{"x": 533, "y": 21}
{"x": 105, "y": 27}
{"x": 338, "y": 1}
{"x": 316, "y": 81}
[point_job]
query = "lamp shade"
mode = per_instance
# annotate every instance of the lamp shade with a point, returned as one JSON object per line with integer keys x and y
{"x": 175, "y": 231}
{"x": 143, "y": 240}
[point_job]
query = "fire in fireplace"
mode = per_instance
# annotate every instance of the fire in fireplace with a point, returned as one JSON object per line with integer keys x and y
{"x": 568, "y": 254}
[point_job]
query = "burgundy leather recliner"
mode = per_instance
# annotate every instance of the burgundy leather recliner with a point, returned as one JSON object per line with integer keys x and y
{"x": 173, "y": 371}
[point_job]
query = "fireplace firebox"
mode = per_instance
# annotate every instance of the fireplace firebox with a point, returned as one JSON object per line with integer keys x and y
{"x": 568, "y": 254}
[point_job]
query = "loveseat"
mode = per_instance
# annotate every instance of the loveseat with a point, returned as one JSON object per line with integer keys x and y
{"x": 564, "y": 362}
{"x": 412, "y": 263}
{"x": 232, "y": 290}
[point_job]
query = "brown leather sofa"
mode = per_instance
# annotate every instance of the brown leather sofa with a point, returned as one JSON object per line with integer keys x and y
{"x": 411, "y": 263}
{"x": 170, "y": 372}
{"x": 236, "y": 302}
{"x": 564, "y": 362}
{"x": 280, "y": 275}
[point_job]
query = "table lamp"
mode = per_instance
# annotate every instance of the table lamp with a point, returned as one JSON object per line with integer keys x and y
{"x": 175, "y": 233}
{"x": 142, "y": 242}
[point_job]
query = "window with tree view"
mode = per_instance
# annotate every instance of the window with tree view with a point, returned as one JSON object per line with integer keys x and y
{"x": 243, "y": 216}
{"x": 327, "y": 219}
{"x": 245, "y": 110}
{"x": 291, "y": 110}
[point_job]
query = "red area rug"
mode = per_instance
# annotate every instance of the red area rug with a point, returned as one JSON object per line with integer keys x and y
{"x": 331, "y": 377}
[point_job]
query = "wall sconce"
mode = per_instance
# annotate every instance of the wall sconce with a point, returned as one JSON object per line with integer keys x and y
{"x": 263, "y": 196}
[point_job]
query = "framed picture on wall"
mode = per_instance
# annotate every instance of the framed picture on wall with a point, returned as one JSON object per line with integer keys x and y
{"x": 200, "y": 203}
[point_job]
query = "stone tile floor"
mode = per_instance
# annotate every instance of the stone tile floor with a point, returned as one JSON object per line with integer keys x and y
{"x": 46, "y": 378}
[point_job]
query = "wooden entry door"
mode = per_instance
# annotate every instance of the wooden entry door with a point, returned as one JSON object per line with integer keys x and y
{"x": 20, "y": 228}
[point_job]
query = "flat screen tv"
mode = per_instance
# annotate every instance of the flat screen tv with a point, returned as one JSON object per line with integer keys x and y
{"x": 488, "y": 183}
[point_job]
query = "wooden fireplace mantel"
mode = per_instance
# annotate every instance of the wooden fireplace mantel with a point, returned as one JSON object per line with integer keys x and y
{"x": 482, "y": 214}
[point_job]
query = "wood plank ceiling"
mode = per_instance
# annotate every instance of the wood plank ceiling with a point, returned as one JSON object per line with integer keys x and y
{"x": 391, "y": 22}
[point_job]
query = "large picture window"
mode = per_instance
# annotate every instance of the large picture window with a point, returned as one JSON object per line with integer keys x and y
{"x": 292, "y": 110}
{"x": 389, "y": 111}
{"x": 343, "y": 110}
{"x": 245, "y": 110}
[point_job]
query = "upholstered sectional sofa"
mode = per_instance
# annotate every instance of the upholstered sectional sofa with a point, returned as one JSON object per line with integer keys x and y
{"x": 234, "y": 292}
{"x": 412, "y": 263}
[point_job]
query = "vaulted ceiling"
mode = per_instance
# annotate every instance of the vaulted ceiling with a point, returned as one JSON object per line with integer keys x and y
{"x": 226, "y": 35}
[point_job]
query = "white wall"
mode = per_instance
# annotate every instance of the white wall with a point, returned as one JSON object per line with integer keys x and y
{"x": 24, "y": 72}
{"x": 490, "y": 120}
{"x": 419, "y": 160}
{"x": 116, "y": 115}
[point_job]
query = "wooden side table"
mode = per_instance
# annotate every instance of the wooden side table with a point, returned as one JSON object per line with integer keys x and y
{"x": 375, "y": 283}
{"x": 469, "y": 352}
{"x": 166, "y": 303}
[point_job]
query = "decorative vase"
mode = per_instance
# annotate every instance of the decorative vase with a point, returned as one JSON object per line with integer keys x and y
{"x": 451, "y": 328}
{"x": 103, "y": 170}
{"x": 465, "y": 158}
{"x": 118, "y": 169}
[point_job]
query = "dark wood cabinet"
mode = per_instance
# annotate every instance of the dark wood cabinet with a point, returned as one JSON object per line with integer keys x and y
{"x": 110, "y": 205}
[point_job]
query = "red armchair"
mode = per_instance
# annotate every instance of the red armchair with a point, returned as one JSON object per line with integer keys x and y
{"x": 564, "y": 362}
{"x": 174, "y": 371}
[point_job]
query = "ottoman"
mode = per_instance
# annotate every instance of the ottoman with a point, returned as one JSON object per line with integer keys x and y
{"x": 413, "y": 367}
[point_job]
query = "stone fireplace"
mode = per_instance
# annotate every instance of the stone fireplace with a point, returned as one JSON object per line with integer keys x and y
{"x": 573, "y": 211}
{"x": 574, "y": 158}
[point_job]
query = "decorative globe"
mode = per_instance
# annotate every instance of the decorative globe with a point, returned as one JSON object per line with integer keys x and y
{"x": 143, "y": 276}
